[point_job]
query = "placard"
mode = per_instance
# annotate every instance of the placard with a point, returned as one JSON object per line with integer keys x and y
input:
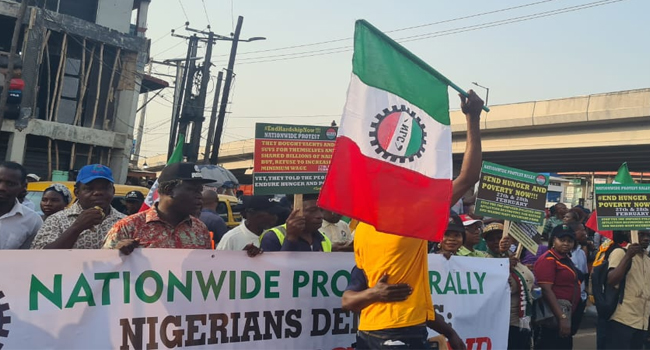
{"x": 511, "y": 194}
{"x": 291, "y": 159}
{"x": 623, "y": 207}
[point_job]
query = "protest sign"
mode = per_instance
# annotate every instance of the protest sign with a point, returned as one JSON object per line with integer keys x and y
{"x": 623, "y": 207}
{"x": 524, "y": 234}
{"x": 291, "y": 159}
{"x": 511, "y": 194}
{"x": 164, "y": 298}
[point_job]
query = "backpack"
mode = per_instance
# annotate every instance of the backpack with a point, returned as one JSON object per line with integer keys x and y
{"x": 606, "y": 297}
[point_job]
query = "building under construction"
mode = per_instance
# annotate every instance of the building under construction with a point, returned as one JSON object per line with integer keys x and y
{"x": 83, "y": 70}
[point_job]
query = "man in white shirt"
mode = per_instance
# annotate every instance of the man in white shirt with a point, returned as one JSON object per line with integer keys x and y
{"x": 260, "y": 214}
{"x": 18, "y": 224}
{"x": 337, "y": 231}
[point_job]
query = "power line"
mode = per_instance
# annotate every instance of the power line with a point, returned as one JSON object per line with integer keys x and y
{"x": 289, "y": 116}
{"x": 205, "y": 10}
{"x": 403, "y": 29}
{"x": 424, "y": 36}
{"x": 183, "y": 8}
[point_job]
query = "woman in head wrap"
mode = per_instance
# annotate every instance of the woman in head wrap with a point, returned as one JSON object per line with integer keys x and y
{"x": 55, "y": 198}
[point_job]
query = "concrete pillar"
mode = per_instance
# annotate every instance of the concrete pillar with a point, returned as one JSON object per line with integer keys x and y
{"x": 16, "y": 147}
{"x": 126, "y": 105}
{"x": 143, "y": 12}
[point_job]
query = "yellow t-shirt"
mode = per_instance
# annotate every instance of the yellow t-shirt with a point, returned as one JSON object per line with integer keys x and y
{"x": 405, "y": 260}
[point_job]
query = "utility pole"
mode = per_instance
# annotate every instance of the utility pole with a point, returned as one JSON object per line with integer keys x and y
{"x": 226, "y": 91}
{"x": 143, "y": 113}
{"x": 197, "y": 124}
{"x": 12, "y": 59}
{"x": 178, "y": 90}
{"x": 185, "y": 94}
{"x": 213, "y": 119}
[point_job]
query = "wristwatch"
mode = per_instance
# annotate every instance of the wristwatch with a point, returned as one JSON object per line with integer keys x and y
{"x": 564, "y": 317}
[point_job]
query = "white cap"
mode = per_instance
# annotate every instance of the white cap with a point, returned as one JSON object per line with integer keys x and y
{"x": 34, "y": 176}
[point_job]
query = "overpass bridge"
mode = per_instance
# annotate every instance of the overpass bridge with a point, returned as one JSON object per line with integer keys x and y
{"x": 577, "y": 134}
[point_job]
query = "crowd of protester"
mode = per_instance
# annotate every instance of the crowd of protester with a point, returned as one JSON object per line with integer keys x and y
{"x": 555, "y": 277}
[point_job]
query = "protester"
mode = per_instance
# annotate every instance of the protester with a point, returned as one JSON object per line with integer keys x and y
{"x": 404, "y": 259}
{"x": 301, "y": 232}
{"x": 521, "y": 281}
{"x": 528, "y": 258}
{"x": 260, "y": 214}
{"x": 619, "y": 240}
{"x": 358, "y": 296}
{"x": 84, "y": 224}
{"x": 453, "y": 238}
{"x": 56, "y": 197}
{"x": 560, "y": 283}
{"x": 170, "y": 222}
{"x": 579, "y": 259}
{"x": 557, "y": 216}
{"x": 22, "y": 198}
{"x": 338, "y": 231}
{"x": 628, "y": 325}
{"x": 498, "y": 246}
{"x": 133, "y": 202}
{"x": 18, "y": 224}
{"x": 473, "y": 230}
{"x": 571, "y": 216}
{"x": 209, "y": 215}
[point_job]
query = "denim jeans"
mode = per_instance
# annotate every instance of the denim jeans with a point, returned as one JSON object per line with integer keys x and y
{"x": 414, "y": 337}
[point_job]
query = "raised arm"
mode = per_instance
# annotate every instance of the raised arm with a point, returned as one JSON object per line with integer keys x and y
{"x": 471, "y": 168}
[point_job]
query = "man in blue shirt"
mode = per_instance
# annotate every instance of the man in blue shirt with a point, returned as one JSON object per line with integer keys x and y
{"x": 210, "y": 218}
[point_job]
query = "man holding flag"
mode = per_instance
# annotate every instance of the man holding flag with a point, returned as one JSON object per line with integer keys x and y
{"x": 395, "y": 137}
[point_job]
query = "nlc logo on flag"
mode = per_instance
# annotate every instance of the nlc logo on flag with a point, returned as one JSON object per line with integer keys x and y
{"x": 399, "y": 134}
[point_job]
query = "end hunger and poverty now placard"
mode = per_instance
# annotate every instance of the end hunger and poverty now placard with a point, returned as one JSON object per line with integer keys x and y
{"x": 291, "y": 159}
{"x": 623, "y": 207}
{"x": 511, "y": 194}
{"x": 202, "y": 299}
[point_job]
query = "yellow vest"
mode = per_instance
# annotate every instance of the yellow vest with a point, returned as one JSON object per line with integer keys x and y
{"x": 281, "y": 232}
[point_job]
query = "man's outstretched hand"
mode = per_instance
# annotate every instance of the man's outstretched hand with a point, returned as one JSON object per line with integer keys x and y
{"x": 472, "y": 105}
{"x": 126, "y": 246}
{"x": 252, "y": 250}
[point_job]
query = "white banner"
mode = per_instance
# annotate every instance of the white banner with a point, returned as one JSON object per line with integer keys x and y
{"x": 160, "y": 298}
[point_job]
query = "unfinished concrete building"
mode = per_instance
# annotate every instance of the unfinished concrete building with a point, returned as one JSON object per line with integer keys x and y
{"x": 82, "y": 65}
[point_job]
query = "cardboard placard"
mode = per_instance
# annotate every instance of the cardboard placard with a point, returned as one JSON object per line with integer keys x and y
{"x": 291, "y": 159}
{"x": 623, "y": 207}
{"x": 524, "y": 234}
{"x": 511, "y": 194}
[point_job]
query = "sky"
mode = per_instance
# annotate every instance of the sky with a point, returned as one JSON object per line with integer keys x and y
{"x": 520, "y": 58}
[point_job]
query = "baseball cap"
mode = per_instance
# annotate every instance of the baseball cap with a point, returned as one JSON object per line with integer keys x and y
{"x": 182, "y": 171}
{"x": 495, "y": 226}
{"x": 268, "y": 204}
{"x": 563, "y": 231}
{"x": 93, "y": 172}
{"x": 467, "y": 220}
{"x": 455, "y": 223}
{"x": 134, "y": 196}
{"x": 34, "y": 177}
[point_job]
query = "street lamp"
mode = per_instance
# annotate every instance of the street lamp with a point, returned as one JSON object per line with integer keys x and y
{"x": 487, "y": 91}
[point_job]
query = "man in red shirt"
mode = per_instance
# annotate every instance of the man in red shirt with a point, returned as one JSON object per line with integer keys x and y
{"x": 169, "y": 223}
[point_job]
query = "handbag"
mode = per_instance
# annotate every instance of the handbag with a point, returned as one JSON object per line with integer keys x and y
{"x": 543, "y": 315}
